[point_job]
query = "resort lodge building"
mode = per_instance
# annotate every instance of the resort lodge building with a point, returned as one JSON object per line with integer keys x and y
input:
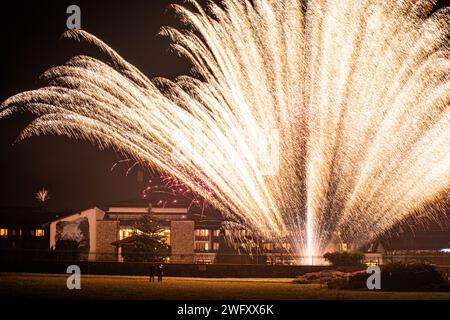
{"x": 191, "y": 235}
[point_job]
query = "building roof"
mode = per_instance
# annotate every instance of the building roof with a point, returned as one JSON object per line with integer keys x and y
{"x": 27, "y": 216}
{"x": 426, "y": 235}
{"x": 156, "y": 199}
{"x": 164, "y": 199}
{"x": 419, "y": 241}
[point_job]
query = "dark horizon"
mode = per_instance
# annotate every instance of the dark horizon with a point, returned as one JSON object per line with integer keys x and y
{"x": 76, "y": 173}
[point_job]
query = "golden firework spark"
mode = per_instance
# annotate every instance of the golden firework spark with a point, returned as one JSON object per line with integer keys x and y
{"x": 359, "y": 92}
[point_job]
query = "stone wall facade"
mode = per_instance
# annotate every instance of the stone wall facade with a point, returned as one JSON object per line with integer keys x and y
{"x": 182, "y": 241}
{"x": 107, "y": 233}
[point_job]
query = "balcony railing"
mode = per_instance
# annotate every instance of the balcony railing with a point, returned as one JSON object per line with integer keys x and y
{"x": 202, "y": 238}
{"x": 205, "y": 251}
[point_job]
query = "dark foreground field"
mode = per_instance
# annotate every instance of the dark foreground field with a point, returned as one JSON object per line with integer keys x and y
{"x": 44, "y": 286}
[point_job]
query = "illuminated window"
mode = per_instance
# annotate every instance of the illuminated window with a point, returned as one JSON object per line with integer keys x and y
{"x": 39, "y": 232}
{"x": 202, "y": 246}
{"x": 202, "y": 232}
{"x": 216, "y": 233}
{"x": 125, "y": 233}
{"x": 3, "y": 232}
{"x": 166, "y": 235}
{"x": 215, "y": 246}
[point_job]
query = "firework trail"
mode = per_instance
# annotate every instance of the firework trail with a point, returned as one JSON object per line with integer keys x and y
{"x": 358, "y": 92}
{"x": 168, "y": 185}
{"x": 43, "y": 195}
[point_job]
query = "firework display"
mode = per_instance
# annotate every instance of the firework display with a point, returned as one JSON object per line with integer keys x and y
{"x": 355, "y": 94}
{"x": 42, "y": 195}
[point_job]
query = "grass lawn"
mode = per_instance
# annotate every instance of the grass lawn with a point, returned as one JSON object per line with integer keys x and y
{"x": 45, "y": 286}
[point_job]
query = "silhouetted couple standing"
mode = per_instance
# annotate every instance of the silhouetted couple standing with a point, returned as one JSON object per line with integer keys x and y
{"x": 158, "y": 270}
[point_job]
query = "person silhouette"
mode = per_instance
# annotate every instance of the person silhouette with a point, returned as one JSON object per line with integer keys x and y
{"x": 160, "y": 272}
{"x": 151, "y": 273}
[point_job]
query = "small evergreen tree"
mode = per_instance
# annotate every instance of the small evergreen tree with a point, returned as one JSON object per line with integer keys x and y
{"x": 147, "y": 243}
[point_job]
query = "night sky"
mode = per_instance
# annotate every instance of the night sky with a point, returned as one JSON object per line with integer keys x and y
{"x": 76, "y": 173}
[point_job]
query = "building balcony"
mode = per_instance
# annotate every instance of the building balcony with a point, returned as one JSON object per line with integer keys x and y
{"x": 205, "y": 251}
{"x": 202, "y": 238}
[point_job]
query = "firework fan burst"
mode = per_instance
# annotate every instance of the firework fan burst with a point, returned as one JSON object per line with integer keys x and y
{"x": 43, "y": 195}
{"x": 357, "y": 92}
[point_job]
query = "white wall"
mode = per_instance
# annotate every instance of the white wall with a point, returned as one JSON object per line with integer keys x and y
{"x": 92, "y": 215}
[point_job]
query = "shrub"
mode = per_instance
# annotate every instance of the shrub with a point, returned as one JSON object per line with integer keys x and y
{"x": 321, "y": 277}
{"x": 413, "y": 277}
{"x": 335, "y": 279}
{"x": 67, "y": 250}
{"x": 352, "y": 280}
{"x": 344, "y": 258}
{"x": 357, "y": 280}
{"x": 396, "y": 277}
